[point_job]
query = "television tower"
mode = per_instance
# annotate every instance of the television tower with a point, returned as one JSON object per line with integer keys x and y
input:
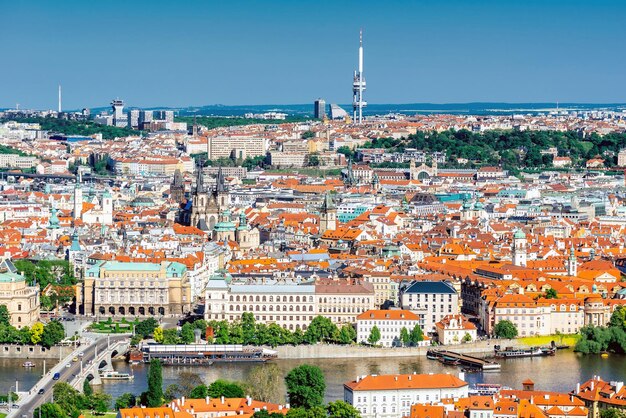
{"x": 59, "y": 98}
{"x": 358, "y": 86}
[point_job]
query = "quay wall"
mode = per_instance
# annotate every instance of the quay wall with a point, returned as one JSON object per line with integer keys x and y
{"x": 25, "y": 352}
{"x": 479, "y": 348}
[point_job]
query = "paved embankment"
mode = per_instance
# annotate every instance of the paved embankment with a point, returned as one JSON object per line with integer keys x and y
{"x": 480, "y": 348}
{"x": 34, "y": 351}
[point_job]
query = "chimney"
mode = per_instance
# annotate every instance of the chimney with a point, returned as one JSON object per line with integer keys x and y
{"x": 222, "y": 399}
{"x": 578, "y": 388}
{"x": 248, "y": 400}
{"x": 182, "y": 400}
{"x": 207, "y": 399}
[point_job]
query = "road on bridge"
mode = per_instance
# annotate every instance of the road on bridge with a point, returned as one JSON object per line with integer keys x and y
{"x": 67, "y": 374}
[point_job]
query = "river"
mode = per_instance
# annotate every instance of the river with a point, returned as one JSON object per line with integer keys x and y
{"x": 559, "y": 373}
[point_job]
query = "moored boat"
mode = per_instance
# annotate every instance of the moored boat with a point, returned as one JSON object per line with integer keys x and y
{"x": 510, "y": 352}
{"x": 28, "y": 364}
{"x": 113, "y": 375}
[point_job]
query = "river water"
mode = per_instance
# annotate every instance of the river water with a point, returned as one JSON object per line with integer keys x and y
{"x": 559, "y": 373}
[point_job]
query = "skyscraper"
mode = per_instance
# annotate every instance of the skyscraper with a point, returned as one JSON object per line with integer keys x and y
{"x": 358, "y": 87}
{"x": 119, "y": 118}
{"x": 320, "y": 109}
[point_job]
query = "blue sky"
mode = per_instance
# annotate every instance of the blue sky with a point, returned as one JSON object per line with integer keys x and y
{"x": 177, "y": 53}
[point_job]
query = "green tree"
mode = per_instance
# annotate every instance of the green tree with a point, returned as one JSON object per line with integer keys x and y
{"x": 313, "y": 160}
{"x": 199, "y": 392}
{"x": 87, "y": 390}
{"x": 612, "y": 413}
{"x": 226, "y": 389}
{"x": 146, "y": 328}
{"x": 5, "y": 318}
{"x": 187, "y": 335}
{"x": 417, "y": 335}
{"x": 551, "y": 294}
{"x": 265, "y": 383}
{"x": 347, "y": 334}
{"x": 505, "y": 329}
{"x": 405, "y": 338}
{"x": 248, "y": 326}
{"x": 170, "y": 336}
{"x": 53, "y": 333}
{"x": 49, "y": 410}
{"x": 308, "y": 134}
{"x": 341, "y": 409}
{"x": 125, "y": 400}
{"x": 301, "y": 412}
{"x": 172, "y": 391}
{"x": 100, "y": 402}
{"x": 69, "y": 399}
{"x": 374, "y": 336}
{"x": 320, "y": 329}
{"x": 264, "y": 414}
{"x": 305, "y": 386}
{"x": 618, "y": 318}
{"x": 154, "y": 396}
{"x": 467, "y": 338}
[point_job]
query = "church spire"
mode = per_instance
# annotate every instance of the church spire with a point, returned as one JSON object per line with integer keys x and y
{"x": 200, "y": 186}
{"x": 221, "y": 182}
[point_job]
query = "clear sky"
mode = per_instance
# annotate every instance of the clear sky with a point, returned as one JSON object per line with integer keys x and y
{"x": 178, "y": 53}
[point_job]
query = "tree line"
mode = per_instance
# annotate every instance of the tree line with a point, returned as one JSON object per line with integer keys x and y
{"x": 75, "y": 127}
{"x": 594, "y": 340}
{"x": 510, "y": 148}
{"x": 39, "y": 334}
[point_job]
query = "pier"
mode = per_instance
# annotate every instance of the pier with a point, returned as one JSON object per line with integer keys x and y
{"x": 463, "y": 359}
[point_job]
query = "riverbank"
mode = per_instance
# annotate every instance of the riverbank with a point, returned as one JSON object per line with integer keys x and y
{"x": 34, "y": 351}
{"x": 332, "y": 351}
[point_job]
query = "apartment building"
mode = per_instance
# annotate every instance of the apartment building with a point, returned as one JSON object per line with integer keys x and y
{"x": 431, "y": 301}
{"x": 17, "y": 161}
{"x": 391, "y": 396}
{"x": 389, "y": 322}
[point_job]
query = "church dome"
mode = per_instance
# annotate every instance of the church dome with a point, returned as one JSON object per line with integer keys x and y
{"x": 519, "y": 234}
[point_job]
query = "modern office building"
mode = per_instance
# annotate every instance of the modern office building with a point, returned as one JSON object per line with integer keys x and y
{"x": 319, "y": 109}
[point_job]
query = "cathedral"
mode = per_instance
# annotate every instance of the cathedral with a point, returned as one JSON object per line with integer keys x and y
{"x": 207, "y": 204}
{"x": 209, "y": 211}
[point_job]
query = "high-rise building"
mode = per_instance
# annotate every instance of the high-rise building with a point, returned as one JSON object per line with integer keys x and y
{"x": 358, "y": 87}
{"x": 119, "y": 118}
{"x": 320, "y": 109}
{"x": 133, "y": 118}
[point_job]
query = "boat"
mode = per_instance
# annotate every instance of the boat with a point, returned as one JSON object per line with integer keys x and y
{"x": 449, "y": 361}
{"x": 471, "y": 370}
{"x": 486, "y": 389}
{"x": 28, "y": 364}
{"x": 604, "y": 354}
{"x": 510, "y": 352}
{"x": 430, "y": 355}
{"x": 113, "y": 375}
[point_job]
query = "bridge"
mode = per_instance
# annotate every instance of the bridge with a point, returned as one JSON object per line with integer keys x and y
{"x": 102, "y": 361}
{"x": 90, "y": 360}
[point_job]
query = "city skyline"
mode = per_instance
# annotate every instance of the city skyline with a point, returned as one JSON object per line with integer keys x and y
{"x": 246, "y": 53}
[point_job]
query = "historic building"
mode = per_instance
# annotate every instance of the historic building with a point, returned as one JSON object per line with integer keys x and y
{"x": 208, "y": 204}
{"x": 290, "y": 302}
{"x": 431, "y": 301}
{"x": 136, "y": 289}
{"x": 21, "y": 300}
{"x": 177, "y": 188}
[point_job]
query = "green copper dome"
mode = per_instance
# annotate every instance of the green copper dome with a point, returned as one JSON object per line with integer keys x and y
{"x": 519, "y": 234}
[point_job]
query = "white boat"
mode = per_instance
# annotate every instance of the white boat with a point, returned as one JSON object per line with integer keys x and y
{"x": 28, "y": 364}
{"x": 113, "y": 375}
